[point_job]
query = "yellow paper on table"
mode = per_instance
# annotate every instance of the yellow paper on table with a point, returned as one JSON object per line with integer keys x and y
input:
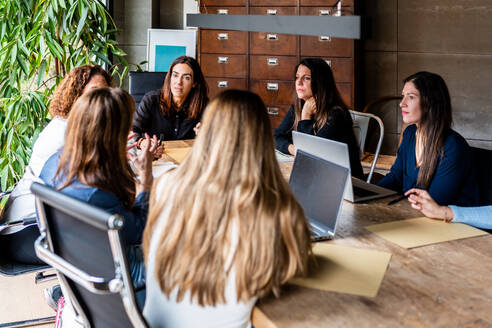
{"x": 423, "y": 231}
{"x": 178, "y": 154}
{"x": 346, "y": 270}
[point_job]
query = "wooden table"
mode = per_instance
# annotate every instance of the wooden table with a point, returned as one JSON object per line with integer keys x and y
{"x": 443, "y": 285}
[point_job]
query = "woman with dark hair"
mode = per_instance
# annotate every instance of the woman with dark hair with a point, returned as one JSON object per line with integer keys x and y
{"x": 318, "y": 110}
{"x": 93, "y": 165}
{"x": 432, "y": 156}
{"x": 172, "y": 112}
{"x": 224, "y": 228}
{"x": 18, "y": 242}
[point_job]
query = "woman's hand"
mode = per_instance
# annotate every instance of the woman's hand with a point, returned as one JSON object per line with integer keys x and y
{"x": 292, "y": 149}
{"x": 130, "y": 145}
{"x": 309, "y": 109}
{"x": 422, "y": 201}
{"x": 197, "y": 128}
{"x": 143, "y": 163}
{"x": 159, "y": 149}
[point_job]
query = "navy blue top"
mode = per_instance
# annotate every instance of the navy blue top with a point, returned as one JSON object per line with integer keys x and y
{"x": 338, "y": 127}
{"x": 135, "y": 218}
{"x": 454, "y": 180}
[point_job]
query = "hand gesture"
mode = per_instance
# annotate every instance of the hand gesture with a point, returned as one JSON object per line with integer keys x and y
{"x": 422, "y": 201}
{"x": 143, "y": 163}
{"x": 158, "y": 149}
{"x": 197, "y": 128}
{"x": 309, "y": 109}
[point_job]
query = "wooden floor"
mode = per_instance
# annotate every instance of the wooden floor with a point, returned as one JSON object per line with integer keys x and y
{"x": 21, "y": 299}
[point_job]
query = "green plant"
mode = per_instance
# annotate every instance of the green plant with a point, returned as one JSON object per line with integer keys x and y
{"x": 42, "y": 40}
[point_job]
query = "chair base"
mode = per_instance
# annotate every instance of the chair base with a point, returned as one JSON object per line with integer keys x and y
{"x": 29, "y": 323}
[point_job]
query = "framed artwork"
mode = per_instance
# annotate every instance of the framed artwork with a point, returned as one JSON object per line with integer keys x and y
{"x": 163, "y": 46}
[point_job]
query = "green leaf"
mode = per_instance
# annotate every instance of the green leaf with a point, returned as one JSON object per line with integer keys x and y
{"x": 81, "y": 23}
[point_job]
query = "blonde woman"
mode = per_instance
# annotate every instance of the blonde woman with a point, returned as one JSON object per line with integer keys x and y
{"x": 223, "y": 228}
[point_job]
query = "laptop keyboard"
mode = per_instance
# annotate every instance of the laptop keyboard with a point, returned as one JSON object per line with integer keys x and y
{"x": 360, "y": 192}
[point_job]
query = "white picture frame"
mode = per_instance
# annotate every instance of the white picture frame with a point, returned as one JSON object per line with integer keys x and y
{"x": 164, "y": 45}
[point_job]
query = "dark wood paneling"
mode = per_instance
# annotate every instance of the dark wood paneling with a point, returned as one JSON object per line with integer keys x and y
{"x": 276, "y": 113}
{"x": 221, "y": 10}
{"x": 273, "y": 2}
{"x": 223, "y": 3}
{"x": 223, "y": 41}
{"x": 273, "y": 92}
{"x": 272, "y": 67}
{"x": 216, "y": 85}
{"x": 345, "y": 90}
{"x": 261, "y": 43}
{"x": 273, "y": 10}
{"x": 233, "y": 66}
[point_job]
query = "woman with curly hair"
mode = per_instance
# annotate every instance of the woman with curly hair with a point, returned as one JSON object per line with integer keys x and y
{"x": 18, "y": 242}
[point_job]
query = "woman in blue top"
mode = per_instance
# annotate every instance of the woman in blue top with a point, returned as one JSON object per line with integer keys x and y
{"x": 93, "y": 165}
{"x": 432, "y": 156}
{"x": 480, "y": 217}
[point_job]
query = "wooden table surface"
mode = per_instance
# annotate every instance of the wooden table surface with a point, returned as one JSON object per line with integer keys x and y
{"x": 442, "y": 285}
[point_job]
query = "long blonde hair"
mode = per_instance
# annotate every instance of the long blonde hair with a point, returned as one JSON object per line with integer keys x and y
{"x": 95, "y": 143}
{"x": 229, "y": 178}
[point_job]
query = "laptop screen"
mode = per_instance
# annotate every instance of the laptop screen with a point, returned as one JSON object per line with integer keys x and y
{"x": 318, "y": 185}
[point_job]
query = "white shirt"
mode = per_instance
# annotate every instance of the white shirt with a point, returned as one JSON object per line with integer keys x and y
{"x": 161, "y": 312}
{"x": 21, "y": 201}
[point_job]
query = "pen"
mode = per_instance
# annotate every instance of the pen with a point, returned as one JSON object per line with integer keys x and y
{"x": 394, "y": 201}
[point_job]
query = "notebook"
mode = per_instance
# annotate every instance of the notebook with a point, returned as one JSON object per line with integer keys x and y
{"x": 318, "y": 185}
{"x": 356, "y": 190}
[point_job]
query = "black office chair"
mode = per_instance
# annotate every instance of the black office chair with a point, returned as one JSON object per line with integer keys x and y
{"x": 143, "y": 82}
{"x": 11, "y": 268}
{"x": 83, "y": 244}
{"x": 483, "y": 163}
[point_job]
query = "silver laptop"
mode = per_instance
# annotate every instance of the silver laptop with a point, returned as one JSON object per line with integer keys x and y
{"x": 356, "y": 190}
{"x": 318, "y": 185}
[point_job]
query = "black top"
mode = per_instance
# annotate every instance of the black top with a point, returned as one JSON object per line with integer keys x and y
{"x": 338, "y": 127}
{"x": 149, "y": 118}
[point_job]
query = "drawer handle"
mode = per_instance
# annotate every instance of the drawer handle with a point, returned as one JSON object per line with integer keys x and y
{"x": 325, "y": 38}
{"x": 271, "y": 11}
{"x": 324, "y": 12}
{"x": 272, "y": 86}
{"x": 328, "y": 62}
{"x": 272, "y": 61}
{"x": 222, "y": 84}
{"x": 222, "y": 36}
{"x": 222, "y": 11}
{"x": 222, "y": 60}
{"x": 272, "y": 110}
{"x": 272, "y": 37}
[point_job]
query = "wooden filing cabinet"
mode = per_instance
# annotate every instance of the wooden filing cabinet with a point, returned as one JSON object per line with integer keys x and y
{"x": 265, "y": 62}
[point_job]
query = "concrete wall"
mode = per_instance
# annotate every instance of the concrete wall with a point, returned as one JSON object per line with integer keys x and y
{"x": 448, "y": 37}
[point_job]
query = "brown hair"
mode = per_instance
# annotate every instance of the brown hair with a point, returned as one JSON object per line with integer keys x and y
{"x": 229, "y": 185}
{"x": 435, "y": 122}
{"x": 71, "y": 87}
{"x": 324, "y": 91}
{"x": 197, "y": 98}
{"x": 95, "y": 143}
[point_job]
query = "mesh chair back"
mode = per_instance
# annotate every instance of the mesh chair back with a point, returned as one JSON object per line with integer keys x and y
{"x": 143, "y": 82}
{"x": 483, "y": 163}
{"x": 83, "y": 236}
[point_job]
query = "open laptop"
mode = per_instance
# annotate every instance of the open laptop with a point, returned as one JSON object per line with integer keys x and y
{"x": 318, "y": 185}
{"x": 356, "y": 190}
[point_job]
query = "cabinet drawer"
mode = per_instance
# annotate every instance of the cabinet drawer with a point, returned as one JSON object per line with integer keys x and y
{"x": 272, "y": 67}
{"x": 276, "y": 113}
{"x": 342, "y": 68}
{"x": 273, "y": 10}
{"x": 217, "y": 84}
{"x": 223, "y": 3}
{"x": 345, "y": 90}
{"x": 273, "y": 2}
{"x": 261, "y": 43}
{"x": 225, "y": 65}
{"x": 315, "y": 46}
{"x": 223, "y": 41}
{"x": 273, "y": 92}
{"x": 223, "y": 10}
{"x": 320, "y": 10}
{"x": 330, "y": 3}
